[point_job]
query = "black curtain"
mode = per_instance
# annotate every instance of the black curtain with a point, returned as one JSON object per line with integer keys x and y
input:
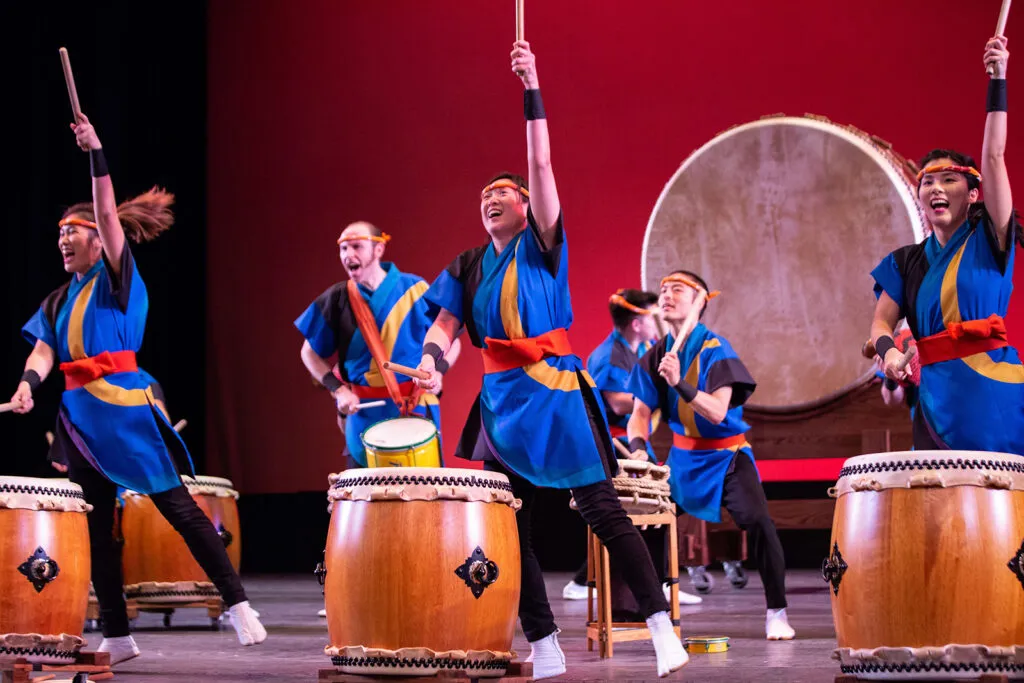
{"x": 140, "y": 70}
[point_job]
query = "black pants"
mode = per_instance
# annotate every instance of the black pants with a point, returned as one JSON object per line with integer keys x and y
{"x": 184, "y": 515}
{"x": 599, "y": 505}
{"x": 743, "y": 496}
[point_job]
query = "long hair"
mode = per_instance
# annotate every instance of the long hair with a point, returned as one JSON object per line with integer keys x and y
{"x": 142, "y": 217}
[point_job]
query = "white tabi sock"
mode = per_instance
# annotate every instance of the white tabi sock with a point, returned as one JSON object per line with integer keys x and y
{"x": 776, "y": 625}
{"x": 247, "y": 625}
{"x": 547, "y": 657}
{"x": 121, "y": 649}
{"x": 667, "y": 646}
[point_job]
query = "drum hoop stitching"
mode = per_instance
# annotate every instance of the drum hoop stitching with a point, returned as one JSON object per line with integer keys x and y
{"x": 441, "y": 663}
{"x": 40, "y": 490}
{"x": 395, "y": 479}
{"x": 931, "y": 666}
{"x": 958, "y": 464}
{"x": 43, "y": 651}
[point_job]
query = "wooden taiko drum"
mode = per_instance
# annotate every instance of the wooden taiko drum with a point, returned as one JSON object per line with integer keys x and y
{"x": 158, "y": 566}
{"x": 422, "y": 571}
{"x": 44, "y": 569}
{"x": 643, "y": 488}
{"x": 926, "y": 569}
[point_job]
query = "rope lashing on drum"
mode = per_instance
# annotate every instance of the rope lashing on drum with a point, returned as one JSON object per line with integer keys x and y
{"x": 949, "y": 168}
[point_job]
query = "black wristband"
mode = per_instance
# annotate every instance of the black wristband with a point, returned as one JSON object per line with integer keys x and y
{"x": 434, "y": 351}
{"x": 996, "y": 95}
{"x": 533, "y": 105}
{"x": 891, "y": 384}
{"x": 883, "y": 345}
{"x": 331, "y": 382}
{"x": 637, "y": 443}
{"x": 97, "y": 163}
{"x": 33, "y": 379}
{"x": 686, "y": 391}
{"x": 441, "y": 366}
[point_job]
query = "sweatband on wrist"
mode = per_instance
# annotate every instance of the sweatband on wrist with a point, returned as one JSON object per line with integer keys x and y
{"x": 996, "y": 95}
{"x": 533, "y": 105}
{"x": 884, "y": 345}
{"x": 33, "y": 379}
{"x": 637, "y": 443}
{"x": 891, "y": 384}
{"x": 331, "y": 382}
{"x": 434, "y": 351}
{"x": 687, "y": 391}
{"x": 441, "y": 366}
{"x": 97, "y": 163}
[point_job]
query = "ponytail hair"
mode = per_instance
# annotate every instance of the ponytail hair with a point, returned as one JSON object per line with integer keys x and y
{"x": 142, "y": 218}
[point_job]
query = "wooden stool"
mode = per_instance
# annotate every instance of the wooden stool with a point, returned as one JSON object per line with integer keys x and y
{"x": 601, "y": 630}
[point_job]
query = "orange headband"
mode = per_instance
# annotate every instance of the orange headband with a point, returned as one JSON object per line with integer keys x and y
{"x": 383, "y": 238}
{"x": 949, "y": 168}
{"x": 505, "y": 182}
{"x": 682, "y": 279}
{"x": 71, "y": 220}
{"x": 620, "y": 301}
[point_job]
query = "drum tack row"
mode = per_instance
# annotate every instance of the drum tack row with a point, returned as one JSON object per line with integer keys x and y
{"x": 925, "y": 570}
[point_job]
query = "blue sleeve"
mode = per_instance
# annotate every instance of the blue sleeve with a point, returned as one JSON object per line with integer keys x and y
{"x": 610, "y": 377}
{"x": 38, "y": 329}
{"x": 889, "y": 280}
{"x": 317, "y": 332}
{"x": 554, "y": 257}
{"x": 642, "y": 387}
{"x": 446, "y": 293}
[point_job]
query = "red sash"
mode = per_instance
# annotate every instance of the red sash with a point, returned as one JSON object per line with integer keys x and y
{"x": 78, "y": 373}
{"x": 617, "y": 431}
{"x": 506, "y": 354}
{"x": 960, "y": 340}
{"x": 689, "y": 443}
{"x": 407, "y": 401}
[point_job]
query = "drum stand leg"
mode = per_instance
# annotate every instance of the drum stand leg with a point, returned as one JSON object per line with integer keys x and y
{"x": 92, "y": 665}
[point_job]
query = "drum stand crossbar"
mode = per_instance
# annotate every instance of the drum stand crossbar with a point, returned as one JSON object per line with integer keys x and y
{"x": 600, "y": 627}
{"x": 518, "y": 672}
{"x": 93, "y": 666}
{"x": 214, "y": 609}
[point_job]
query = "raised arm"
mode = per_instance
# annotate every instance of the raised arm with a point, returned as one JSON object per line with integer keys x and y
{"x": 543, "y": 193}
{"x": 438, "y": 343}
{"x": 37, "y": 367}
{"x": 104, "y": 203}
{"x": 998, "y": 198}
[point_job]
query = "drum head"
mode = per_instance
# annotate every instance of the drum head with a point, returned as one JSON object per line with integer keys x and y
{"x": 787, "y": 217}
{"x": 399, "y": 433}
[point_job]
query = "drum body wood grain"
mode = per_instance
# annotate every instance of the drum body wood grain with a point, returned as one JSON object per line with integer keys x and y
{"x": 926, "y": 568}
{"x": 422, "y": 571}
{"x": 44, "y": 569}
{"x": 158, "y": 566}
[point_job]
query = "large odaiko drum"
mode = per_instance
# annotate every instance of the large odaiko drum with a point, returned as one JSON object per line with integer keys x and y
{"x": 422, "y": 571}
{"x": 926, "y": 570}
{"x": 787, "y": 216}
{"x": 44, "y": 569}
{"x": 158, "y": 566}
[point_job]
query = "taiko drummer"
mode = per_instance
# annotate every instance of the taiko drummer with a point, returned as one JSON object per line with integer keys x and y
{"x": 110, "y": 428}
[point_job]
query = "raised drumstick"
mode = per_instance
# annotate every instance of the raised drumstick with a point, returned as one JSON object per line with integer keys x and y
{"x": 180, "y": 425}
{"x": 406, "y": 370}
{"x": 371, "y": 404}
{"x": 689, "y": 323}
{"x": 6, "y": 407}
{"x": 70, "y": 80}
{"x": 1004, "y": 14}
{"x": 521, "y": 21}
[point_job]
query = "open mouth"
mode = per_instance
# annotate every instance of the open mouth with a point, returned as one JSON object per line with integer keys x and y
{"x": 939, "y": 205}
{"x": 67, "y": 254}
{"x": 493, "y": 212}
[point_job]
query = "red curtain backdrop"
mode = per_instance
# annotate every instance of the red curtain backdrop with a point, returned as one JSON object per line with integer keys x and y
{"x": 322, "y": 112}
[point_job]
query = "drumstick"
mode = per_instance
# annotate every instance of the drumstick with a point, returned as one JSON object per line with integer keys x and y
{"x": 907, "y": 356}
{"x": 406, "y": 370}
{"x": 70, "y": 80}
{"x": 521, "y": 22}
{"x": 371, "y": 404}
{"x": 1004, "y": 14}
{"x": 49, "y": 438}
{"x": 689, "y": 324}
{"x": 622, "y": 449}
{"x": 181, "y": 425}
{"x": 6, "y": 407}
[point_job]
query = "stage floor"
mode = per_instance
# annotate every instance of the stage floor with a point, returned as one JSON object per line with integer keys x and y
{"x": 188, "y": 652}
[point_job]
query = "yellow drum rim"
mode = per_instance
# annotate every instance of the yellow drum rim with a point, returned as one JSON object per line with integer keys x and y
{"x": 398, "y": 449}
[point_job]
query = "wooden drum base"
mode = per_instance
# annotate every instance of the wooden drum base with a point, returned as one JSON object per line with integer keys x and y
{"x": 95, "y": 664}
